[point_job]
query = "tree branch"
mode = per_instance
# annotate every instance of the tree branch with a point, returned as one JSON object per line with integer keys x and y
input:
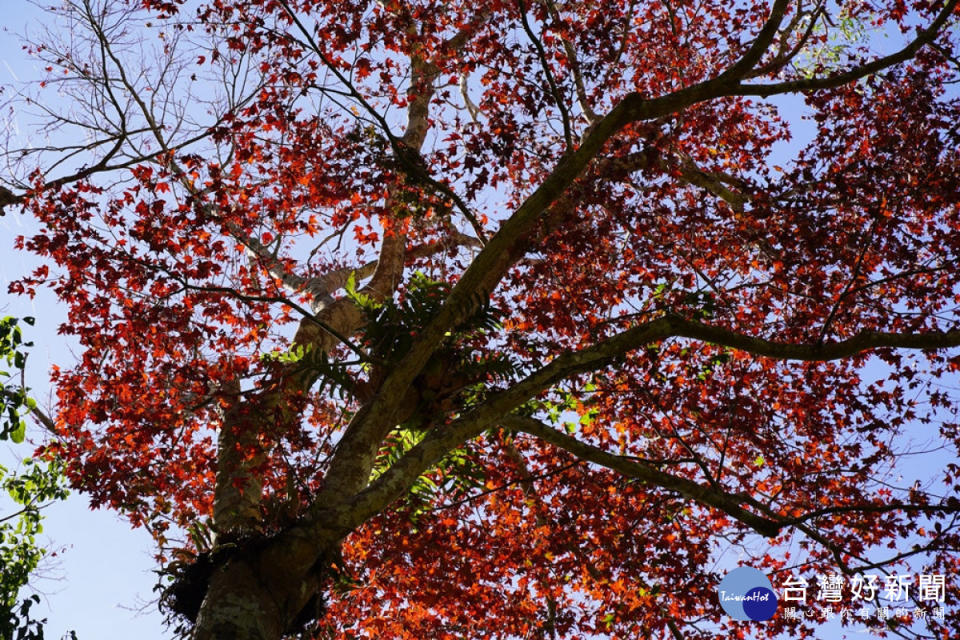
{"x": 548, "y": 73}
{"x": 924, "y": 37}
{"x": 760, "y": 44}
{"x": 585, "y": 109}
{"x": 728, "y": 503}
{"x": 863, "y": 341}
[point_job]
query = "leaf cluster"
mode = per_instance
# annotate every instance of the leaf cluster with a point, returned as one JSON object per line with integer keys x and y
{"x": 390, "y": 330}
{"x": 19, "y": 551}
{"x": 456, "y": 474}
{"x": 14, "y": 401}
{"x": 393, "y": 326}
{"x": 39, "y": 483}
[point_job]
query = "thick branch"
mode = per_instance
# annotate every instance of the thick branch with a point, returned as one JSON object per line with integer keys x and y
{"x": 863, "y": 341}
{"x": 393, "y": 483}
{"x": 350, "y": 468}
{"x": 511, "y": 241}
{"x": 728, "y": 503}
{"x": 396, "y": 480}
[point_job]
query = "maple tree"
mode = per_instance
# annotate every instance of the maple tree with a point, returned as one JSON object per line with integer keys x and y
{"x": 503, "y": 319}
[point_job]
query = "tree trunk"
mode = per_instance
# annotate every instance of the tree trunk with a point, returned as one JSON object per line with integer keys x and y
{"x": 265, "y": 593}
{"x": 239, "y": 606}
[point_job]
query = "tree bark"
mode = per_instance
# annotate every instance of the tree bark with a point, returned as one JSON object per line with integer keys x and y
{"x": 239, "y": 606}
{"x": 264, "y": 591}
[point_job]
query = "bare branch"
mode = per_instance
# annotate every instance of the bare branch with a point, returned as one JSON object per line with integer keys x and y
{"x": 472, "y": 108}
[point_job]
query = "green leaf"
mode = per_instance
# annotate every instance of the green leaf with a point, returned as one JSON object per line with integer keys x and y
{"x": 19, "y": 433}
{"x": 351, "y": 286}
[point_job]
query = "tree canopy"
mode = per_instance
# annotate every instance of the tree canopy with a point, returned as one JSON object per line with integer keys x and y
{"x": 411, "y": 319}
